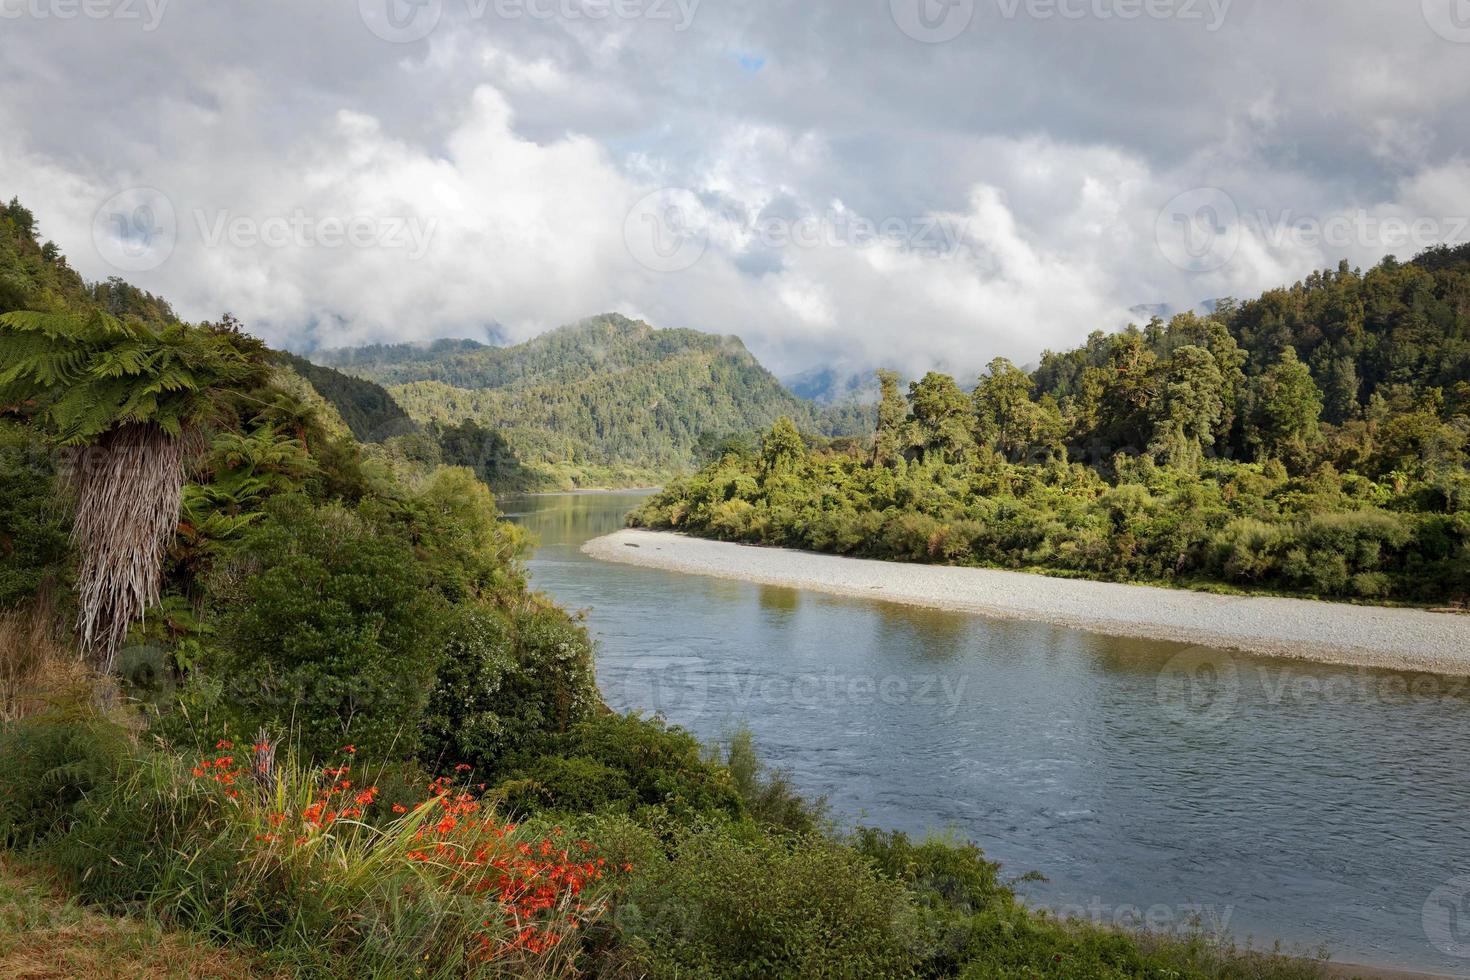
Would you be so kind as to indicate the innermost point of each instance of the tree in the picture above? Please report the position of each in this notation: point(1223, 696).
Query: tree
point(1007, 418)
point(1192, 399)
point(131, 399)
point(1129, 388)
point(893, 412)
point(1285, 407)
point(781, 448)
point(941, 414)
point(336, 633)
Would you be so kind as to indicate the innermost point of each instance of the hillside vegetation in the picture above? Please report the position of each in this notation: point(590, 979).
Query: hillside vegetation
point(605, 397)
point(334, 732)
point(1309, 441)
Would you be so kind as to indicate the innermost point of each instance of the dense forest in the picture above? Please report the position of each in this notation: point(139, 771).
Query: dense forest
point(1311, 441)
point(289, 693)
point(607, 400)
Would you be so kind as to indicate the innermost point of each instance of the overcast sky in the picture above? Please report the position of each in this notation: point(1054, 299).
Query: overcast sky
point(914, 183)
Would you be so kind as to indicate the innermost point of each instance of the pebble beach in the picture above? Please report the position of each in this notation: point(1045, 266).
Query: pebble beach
point(1328, 632)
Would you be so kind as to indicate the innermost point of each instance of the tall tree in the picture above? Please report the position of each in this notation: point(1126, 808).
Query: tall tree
point(1192, 399)
point(1285, 407)
point(893, 412)
point(941, 414)
point(1005, 416)
point(781, 448)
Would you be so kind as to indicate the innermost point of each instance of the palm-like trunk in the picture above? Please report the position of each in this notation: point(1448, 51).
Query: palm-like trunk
point(128, 486)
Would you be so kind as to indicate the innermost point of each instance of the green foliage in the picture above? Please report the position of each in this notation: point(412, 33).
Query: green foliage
point(505, 682)
point(605, 394)
point(53, 762)
point(735, 904)
point(333, 633)
point(83, 374)
point(622, 763)
point(33, 524)
point(770, 796)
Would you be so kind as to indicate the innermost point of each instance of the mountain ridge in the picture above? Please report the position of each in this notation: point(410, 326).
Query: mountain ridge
point(606, 391)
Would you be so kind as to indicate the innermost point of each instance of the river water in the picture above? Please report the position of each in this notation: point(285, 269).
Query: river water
point(1266, 799)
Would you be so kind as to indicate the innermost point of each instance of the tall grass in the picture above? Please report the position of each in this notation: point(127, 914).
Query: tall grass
point(39, 667)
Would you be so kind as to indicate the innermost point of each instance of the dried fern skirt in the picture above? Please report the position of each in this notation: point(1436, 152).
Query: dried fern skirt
point(128, 488)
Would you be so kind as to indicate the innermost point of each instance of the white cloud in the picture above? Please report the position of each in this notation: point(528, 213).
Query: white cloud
point(1025, 198)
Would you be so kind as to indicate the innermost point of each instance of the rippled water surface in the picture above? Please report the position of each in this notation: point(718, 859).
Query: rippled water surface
point(1312, 804)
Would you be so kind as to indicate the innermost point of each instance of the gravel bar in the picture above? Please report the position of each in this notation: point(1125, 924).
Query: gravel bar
point(1330, 632)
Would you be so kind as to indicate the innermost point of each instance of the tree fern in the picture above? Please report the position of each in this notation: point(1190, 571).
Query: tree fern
point(134, 395)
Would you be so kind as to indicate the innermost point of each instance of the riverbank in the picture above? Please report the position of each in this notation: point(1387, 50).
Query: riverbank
point(1364, 636)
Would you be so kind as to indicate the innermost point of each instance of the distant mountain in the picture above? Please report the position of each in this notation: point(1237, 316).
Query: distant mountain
point(378, 357)
point(605, 393)
point(828, 387)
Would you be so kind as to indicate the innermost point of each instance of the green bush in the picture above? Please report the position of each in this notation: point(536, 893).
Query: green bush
point(335, 635)
point(33, 528)
point(730, 903)
point(770, 796)
point(623, 762)
point(576, 785)
point(53, 762)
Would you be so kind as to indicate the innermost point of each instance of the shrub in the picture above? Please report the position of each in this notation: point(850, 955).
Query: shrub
point(463, 720)
point(576, 785)
point(730, 903)
point(770, 796)
point(336, 635)
point(53, 762)
point(627, 762)
point(299, 862)
point(33, 528)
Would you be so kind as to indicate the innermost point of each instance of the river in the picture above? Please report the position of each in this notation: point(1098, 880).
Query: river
point(1316, 805)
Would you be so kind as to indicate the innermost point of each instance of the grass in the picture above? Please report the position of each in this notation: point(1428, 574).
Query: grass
point(38, 664)
point(45, 934)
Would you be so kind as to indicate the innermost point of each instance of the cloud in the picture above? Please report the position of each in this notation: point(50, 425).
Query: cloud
point(860, 199)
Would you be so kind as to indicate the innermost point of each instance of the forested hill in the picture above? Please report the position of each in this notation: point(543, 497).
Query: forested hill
point(1314, 440)
point(605, 392)
point(1375, 343)
point(367, 408)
